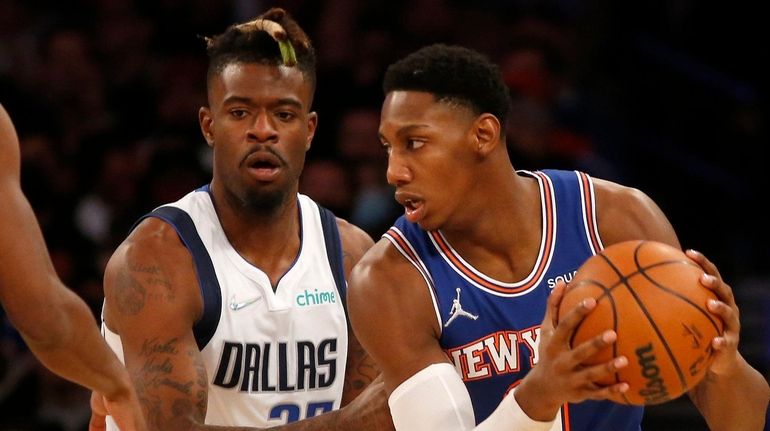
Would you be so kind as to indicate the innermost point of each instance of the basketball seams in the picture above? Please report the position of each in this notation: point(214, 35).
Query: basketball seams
point(606, 292)
point(643, 271)
point(683, 298)
point(645, 311)
point(650, 298)
point(652, 322)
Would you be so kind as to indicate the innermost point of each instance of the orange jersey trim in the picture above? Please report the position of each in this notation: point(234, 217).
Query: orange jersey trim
point(548, 207)
point(589, 212)
point(565, 425)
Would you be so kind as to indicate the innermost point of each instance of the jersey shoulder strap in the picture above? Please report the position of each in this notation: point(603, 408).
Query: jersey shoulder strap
point(334, 252)
point(204, 268)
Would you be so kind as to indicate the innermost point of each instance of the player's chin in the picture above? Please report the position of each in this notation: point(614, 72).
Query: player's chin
point(428, 224)
point(265, 197)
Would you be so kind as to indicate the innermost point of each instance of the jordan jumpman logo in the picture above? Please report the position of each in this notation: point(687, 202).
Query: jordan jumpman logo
point(457, 310)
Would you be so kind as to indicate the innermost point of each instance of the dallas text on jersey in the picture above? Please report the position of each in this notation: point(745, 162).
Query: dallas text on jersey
point(246, 366)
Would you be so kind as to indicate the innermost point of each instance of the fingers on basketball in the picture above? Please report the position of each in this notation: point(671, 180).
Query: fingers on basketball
point(649, 293)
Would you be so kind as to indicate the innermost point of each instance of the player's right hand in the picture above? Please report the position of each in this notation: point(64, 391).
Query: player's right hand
point(98, 413)
point(124, 410)
point(559, 376)
point(372, 406)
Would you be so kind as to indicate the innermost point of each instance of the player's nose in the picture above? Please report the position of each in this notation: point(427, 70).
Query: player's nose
point(398, 173)
point(263, 129)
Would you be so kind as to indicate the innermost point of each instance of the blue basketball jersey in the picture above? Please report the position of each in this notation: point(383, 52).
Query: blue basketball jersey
point(490, 328)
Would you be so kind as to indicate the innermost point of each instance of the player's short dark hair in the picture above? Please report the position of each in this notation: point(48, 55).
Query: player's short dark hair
point(248, 43)
point(454, 74)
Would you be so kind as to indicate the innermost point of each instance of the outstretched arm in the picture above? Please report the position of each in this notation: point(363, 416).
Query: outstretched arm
point(56, 324)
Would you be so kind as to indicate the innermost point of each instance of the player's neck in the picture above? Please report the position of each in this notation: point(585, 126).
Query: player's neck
point(500, 201)
point(503, 237)
point(267, 240)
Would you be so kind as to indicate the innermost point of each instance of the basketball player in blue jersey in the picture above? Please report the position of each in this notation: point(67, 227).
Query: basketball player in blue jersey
point(228, 306)
point(57, 326)
point(457, 302)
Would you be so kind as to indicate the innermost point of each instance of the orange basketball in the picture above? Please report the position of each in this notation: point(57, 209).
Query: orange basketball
point(650, 294)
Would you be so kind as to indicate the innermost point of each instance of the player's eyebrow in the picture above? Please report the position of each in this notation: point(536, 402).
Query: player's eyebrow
point(405, 130)
point(230, 100)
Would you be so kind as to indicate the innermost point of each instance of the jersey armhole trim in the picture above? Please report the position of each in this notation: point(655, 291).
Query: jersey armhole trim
point(334, 254)
point(208, 283)
point(399, 241)
point(588, 207)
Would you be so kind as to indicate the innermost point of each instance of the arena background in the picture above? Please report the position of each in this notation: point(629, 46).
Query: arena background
point(666, 96)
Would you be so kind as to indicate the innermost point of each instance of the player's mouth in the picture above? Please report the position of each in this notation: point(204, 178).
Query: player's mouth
point(413, 210)
point(414, 207)
point(264, 166)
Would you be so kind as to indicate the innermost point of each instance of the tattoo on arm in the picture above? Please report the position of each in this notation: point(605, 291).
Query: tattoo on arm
point(157, 372)
point(361, 372)
point(130, 296)
point(201, 395)
point(135, 285)
point(347, 262)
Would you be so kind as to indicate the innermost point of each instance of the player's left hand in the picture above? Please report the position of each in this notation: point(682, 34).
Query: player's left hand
point(726, 345)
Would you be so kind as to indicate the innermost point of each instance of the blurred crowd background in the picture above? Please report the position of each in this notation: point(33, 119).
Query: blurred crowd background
point(666, 95)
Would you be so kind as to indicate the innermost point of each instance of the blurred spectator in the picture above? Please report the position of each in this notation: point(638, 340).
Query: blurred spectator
point(373, 208)
point(328, 183)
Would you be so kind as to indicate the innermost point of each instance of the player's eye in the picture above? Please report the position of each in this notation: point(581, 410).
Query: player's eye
point(239, 113)
point(285, 115)
point(414, 144)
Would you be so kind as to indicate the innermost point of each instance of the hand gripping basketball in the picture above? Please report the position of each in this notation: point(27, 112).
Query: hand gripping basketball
point(650, 294)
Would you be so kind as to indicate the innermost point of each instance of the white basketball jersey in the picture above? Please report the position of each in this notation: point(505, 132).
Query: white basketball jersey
point(271, 357)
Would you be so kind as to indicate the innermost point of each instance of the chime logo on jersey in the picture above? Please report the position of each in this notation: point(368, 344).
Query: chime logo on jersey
point(247, 366)
point(308, 298)
point(495, 354)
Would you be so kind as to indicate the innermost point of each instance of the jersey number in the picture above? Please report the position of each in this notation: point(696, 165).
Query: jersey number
point(292, 412)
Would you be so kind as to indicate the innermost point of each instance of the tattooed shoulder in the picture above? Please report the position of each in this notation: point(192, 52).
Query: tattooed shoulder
point(130, 295)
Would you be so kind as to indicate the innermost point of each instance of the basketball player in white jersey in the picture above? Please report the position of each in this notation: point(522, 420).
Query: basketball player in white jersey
point(228, 306)
point(55, 323)
point(473, 224)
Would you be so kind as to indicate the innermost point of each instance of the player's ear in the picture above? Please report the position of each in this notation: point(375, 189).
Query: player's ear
point(206, 121)
point(486, 131)
point(312, 123)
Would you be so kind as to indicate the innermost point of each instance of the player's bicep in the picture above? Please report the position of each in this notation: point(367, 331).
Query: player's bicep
point(355, 243)
point(625, 213)
point(392, 315)
point(151, 304)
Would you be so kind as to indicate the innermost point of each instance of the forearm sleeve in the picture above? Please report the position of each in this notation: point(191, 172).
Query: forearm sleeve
point(436, 398)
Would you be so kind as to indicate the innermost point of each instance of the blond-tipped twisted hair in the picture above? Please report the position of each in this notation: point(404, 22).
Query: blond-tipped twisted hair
point(271, 38)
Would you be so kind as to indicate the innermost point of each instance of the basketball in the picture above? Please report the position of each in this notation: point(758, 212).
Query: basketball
point(649, 293)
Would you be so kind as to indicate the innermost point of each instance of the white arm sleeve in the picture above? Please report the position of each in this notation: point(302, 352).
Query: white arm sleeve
point(435, 398)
